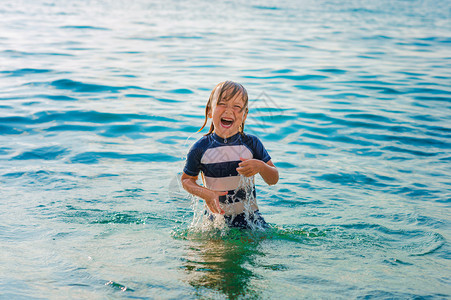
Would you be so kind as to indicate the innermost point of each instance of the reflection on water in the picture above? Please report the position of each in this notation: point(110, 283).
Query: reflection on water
point(234, 263)
point(223, 266)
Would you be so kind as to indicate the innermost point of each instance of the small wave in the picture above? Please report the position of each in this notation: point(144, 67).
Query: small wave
point(181, 91)
point(409, 140)
point(282, 71)
point(17, 120)
point(10, 130)
point(396, 262)
point(312, 145)
point(58, 97)
point(63, 128)
point(166, 100)
point(130, 130)
point(95, 157)
point(382, 89)
point(5, 150)
point(309, 87)
point(409, 151)
point(25, 71)
point(371, 117)
point(84, 27)
point(332, 71)
point(421, 193)
point(339, 96)
point(337, 138)
point(411, 219)
point(412, 242)
point(428, 91)
point(81, 87)
point(45, 153)
point(380, 294)
point(371, 121)
point(349, 140)
point(432, 98)
point(14, 175)
point(264, 7)
point(47, 179)
point(291, 77)
point(119, 218)
point(84, 116)
point(351, 179)
point(426, 118)
point(181, 36)
point(315, 116)
point(367, 152)
point(21, 54)
point(371, 80)
point(293, 201)
point(264, 121)
point(118, 286)
point(138, 96)
point(285, 165)
point(204, 66)
point(102, 217)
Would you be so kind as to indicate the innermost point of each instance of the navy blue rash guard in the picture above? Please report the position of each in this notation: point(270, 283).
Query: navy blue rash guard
point(218, 158)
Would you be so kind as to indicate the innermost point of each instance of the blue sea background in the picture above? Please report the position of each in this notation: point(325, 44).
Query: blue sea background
point(101, 100)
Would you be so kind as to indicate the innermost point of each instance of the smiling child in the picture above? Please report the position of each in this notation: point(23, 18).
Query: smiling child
point(225, 153)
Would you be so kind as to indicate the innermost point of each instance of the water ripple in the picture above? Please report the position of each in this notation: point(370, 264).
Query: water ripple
point(45, 153)
point(85, 116)
point(83, 27)
point(353, 179)
point(290, 77)
point(95, 157)
point(80, 87)
point(24, 72)
point(413, 242)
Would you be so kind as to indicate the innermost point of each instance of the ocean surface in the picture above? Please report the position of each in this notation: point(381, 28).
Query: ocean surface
point(101, 100)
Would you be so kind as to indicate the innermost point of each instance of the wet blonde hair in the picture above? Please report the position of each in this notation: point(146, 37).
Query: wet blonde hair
point(225, 91)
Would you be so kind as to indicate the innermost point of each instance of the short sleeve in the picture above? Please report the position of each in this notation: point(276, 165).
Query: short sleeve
point(259, 150)
point(192, 165)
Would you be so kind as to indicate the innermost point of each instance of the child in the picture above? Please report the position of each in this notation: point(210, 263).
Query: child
point(223, 154)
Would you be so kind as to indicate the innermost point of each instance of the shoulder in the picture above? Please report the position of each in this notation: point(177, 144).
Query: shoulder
point(251, 136)
point(256, 146)
point(251, 139)
point(202, 143)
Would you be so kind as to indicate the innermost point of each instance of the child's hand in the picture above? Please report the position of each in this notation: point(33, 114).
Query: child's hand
point(249, 167)
point(211, 197)
point(213, 202)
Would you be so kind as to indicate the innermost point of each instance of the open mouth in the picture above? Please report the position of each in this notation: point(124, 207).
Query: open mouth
point(225, 122)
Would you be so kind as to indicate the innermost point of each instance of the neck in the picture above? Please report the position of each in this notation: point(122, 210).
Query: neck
point(226, 139)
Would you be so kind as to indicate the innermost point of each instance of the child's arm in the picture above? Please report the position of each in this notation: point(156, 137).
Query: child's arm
point(250, 167)
point(211, 197)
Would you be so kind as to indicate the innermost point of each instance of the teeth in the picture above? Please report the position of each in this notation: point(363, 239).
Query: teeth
point(225, 122)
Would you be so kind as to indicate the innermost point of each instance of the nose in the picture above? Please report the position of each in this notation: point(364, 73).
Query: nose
point(228, 108)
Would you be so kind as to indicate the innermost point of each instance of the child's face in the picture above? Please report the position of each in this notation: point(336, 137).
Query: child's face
point(227, 116)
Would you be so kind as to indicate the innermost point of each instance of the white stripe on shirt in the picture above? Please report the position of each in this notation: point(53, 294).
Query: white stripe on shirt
point(222, 183)
point(225, 154)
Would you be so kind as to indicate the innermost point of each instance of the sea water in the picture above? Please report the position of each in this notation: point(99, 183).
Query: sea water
point(101, 100)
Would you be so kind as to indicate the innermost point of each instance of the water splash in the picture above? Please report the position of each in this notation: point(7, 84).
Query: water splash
point(118, 286)
point(209, 225)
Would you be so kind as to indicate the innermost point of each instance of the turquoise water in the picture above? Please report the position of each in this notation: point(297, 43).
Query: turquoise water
point(99, 101)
